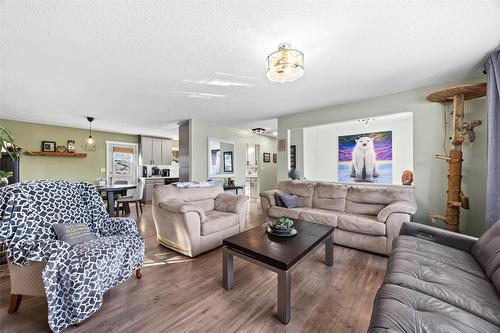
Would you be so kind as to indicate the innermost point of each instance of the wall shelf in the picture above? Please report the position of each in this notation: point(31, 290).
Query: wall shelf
point(55, 153)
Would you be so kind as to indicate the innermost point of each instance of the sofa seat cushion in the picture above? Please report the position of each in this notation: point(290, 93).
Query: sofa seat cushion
point(398, 309)
point(322, 216)
point(216, 221)
point(447, 283)
point(443, 254)
point(364, 224)
point(292, 213)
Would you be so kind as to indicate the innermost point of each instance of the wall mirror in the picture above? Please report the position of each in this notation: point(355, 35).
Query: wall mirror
point(220, 158)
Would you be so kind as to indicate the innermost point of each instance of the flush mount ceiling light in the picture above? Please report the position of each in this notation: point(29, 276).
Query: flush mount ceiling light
point(285, 65)
point(90, 145)
point(258, 130)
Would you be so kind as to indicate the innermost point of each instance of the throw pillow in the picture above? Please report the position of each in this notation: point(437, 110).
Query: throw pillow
point(289, 200)
point(73, 233)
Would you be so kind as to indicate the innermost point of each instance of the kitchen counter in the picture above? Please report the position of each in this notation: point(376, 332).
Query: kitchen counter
point(151, 182)
point(158, 177)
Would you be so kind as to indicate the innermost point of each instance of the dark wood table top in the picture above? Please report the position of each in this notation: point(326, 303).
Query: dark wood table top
point(279, 252)
point(116, 187)
point(233, 187)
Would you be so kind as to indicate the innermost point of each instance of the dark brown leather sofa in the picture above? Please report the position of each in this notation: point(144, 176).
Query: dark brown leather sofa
point(439, 281)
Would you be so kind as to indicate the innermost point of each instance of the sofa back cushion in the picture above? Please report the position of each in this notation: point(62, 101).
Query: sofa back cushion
point(487, 250)
point(331, 196)
point(371, 199)
point(30, 209)
point(204, 197)
point(302, 189)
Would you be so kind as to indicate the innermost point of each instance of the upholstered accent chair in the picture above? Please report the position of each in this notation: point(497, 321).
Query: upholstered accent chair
point(192, 221)
point(73, 278)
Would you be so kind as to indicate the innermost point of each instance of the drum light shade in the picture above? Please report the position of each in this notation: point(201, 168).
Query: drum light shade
point(285, 65)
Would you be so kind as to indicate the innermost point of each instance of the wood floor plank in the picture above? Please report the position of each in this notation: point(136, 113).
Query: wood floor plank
point(181, 294)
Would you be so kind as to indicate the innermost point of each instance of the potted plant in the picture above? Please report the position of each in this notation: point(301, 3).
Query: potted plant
point(8, 145)
point(4, 175)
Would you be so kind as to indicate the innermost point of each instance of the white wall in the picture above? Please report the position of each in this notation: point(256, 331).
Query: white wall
point(200, 131)
point(430, 173)
point(321, 146)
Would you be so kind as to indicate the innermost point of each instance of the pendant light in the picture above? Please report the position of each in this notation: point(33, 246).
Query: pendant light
point(285, 65)
point(90, 144)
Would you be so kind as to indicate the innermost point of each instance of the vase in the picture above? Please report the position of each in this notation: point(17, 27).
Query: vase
point(4, 181)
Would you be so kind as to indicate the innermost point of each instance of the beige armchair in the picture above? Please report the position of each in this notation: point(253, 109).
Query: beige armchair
point(195, 220)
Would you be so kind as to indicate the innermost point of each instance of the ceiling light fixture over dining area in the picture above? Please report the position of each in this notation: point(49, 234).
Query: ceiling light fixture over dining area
point(285, 65)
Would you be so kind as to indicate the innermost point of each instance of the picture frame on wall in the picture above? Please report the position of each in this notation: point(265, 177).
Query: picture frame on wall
point(71, 146)
point(267, 157)
point(275, 158)
point(293, 161)
point(48, 146)
point(228, 161)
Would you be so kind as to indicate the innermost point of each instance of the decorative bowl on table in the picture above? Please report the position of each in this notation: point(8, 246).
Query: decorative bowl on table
point(282, 226)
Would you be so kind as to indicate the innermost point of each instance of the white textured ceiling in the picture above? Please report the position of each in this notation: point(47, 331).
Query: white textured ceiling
point(140, 66)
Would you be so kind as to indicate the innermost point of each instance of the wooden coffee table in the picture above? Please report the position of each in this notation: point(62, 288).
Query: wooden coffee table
point(278, 254)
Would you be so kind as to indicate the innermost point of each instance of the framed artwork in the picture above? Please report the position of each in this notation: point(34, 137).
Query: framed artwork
point(282, 145)
point(175, 155)
point(267, 158)
point(275, 158)
point(293, 160)
point(228, 161)
point(71, 146)
point(61, 149)
point(123, 163)
point(49, 146)
point(366, 157)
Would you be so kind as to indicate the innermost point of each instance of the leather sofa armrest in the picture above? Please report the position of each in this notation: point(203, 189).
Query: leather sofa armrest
point(451, 239)
point(230, 203)
point(270, 197)
point(177, 206)
point(407, 207)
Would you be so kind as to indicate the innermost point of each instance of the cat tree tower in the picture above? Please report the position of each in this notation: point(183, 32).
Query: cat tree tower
point(455, 197)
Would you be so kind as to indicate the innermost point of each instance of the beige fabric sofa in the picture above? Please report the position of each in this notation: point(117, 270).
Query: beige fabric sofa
point(366, 216)
point(195, 220)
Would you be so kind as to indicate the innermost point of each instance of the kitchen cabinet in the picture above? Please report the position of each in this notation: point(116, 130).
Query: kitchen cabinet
point(146, 150)
point(149, 187)
point(156, 151)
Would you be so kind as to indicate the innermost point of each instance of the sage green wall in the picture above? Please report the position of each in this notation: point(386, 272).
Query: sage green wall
point(429, 173)
point(30, 136)
point(200, 131)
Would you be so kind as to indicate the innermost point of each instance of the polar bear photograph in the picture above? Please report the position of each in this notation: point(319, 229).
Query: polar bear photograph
point(366, 157)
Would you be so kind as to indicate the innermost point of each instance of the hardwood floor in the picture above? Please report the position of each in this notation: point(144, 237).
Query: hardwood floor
point(181, 294)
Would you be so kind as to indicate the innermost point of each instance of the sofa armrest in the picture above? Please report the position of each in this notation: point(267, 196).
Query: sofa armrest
point(270, 196)
point(177, 206)
point(407, 207)
point(230, 203)
point(440, 236)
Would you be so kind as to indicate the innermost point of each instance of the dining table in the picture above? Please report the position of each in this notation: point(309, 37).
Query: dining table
point(111, 190)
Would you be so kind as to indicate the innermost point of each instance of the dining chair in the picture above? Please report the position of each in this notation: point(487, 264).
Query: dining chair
point(136, 198)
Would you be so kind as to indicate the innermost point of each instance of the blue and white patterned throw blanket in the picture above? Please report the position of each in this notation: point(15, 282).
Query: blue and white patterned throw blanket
point(75, 277)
